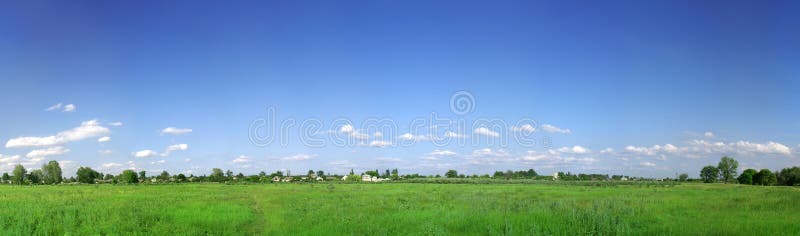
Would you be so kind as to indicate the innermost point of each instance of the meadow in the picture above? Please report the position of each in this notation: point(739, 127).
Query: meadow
point(399, 209)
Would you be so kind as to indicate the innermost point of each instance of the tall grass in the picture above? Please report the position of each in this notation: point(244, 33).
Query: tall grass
point(399, 209)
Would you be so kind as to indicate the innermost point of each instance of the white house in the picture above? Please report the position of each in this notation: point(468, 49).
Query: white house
point(276, 179)
point(344, 178)
point(366, 178)
point(320, 179)
point(555, 175)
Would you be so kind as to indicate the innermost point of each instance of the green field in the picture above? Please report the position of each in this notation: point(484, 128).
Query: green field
point(398, 209)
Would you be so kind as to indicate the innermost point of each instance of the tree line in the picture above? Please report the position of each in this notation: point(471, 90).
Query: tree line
point(51, 173)
point(726, 172)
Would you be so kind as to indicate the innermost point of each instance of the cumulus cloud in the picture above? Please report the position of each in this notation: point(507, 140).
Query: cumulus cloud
point(9, 160)
point(352, 132)
point(105, 152)
point(647, 164)
point(607, 150)
point(553, 129)
point(300, 157)
point(486, 132)
point(437, 154)
point(87, 129)
point(379, 143)
point(104, 139)
point(573, 150)
point(111, 165)
point(242, 159)
point(411, 137)
point(167, 151)
point(451, 134)
point(523, 128)
point(175, 131)
point(145, 153)
point(51, 151)
point(54, 107)
point(708, 135)
point(115, 123)
point(703, 148)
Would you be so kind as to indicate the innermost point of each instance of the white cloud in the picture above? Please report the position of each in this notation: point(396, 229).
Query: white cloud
point(54, 107)
point(523, 128)
point(438, 152)
point(51, 151)
point(242, 159)
point(104, 139)
point(167, 151)
point(487, 132)
point(175, 131)
point(489, 152)
point(105, 152)
point(703, 148)
point(451, 134)
point(9, 160)
point(708, 135)
point(300, 157)
point(176, 147)
point(69, 108)
point(145, 153)
point(553, 129)
point(115, 123)
point(352, 132)
point(159, 162)
point(607, 150)
point(377, 134)
point(411, 137)
point(111, 165)
point(59, 106)
point(573, 150)
point(379, 143)
point(87, 129)
point(647, 164)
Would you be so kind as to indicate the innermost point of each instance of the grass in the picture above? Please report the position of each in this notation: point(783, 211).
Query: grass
point(399, 209)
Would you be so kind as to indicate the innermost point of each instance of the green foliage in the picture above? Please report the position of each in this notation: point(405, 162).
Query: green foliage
point(19, 174)
point(128, 177)
point(747, 176)
point(36, 176)
point(451, 174)
point(683, 177)
point(87, 175)
point(789, 176)
point(764, 177)
point(217, 175)
point(52, 173)
point(727, 169)
point(709, 174)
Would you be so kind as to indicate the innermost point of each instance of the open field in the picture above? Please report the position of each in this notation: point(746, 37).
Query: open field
point(399, 208)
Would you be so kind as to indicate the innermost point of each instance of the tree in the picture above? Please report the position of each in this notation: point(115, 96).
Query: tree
point(87, 175)
point(321, 173)
point(727, 169)
point(764, 177)
point(216, 175)
point(164, 176)
point(709, 174)
point(683, 177)
point(6, 177)
point(747, 176)
point(128, 177)
point(52, 173)
point(497, 174)
point(19, 174)
point(142, 175)
point(182, 178)
point(789, 176)
point(36, 176)
point(371, 173)
point(229, 174)
point(451, 174)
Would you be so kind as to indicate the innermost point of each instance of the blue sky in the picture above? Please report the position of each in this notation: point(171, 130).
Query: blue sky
point(645, 88)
